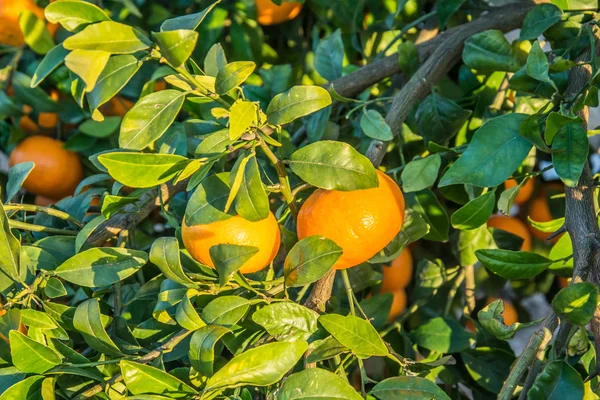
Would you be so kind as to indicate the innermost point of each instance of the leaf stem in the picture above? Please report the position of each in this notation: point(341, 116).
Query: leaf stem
point(39, 228)
point(46, 210)
point(283, 178)
point(349, 292)
point(191, 80)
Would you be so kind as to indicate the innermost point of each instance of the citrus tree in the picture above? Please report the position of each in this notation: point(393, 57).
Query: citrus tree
point(283, 200)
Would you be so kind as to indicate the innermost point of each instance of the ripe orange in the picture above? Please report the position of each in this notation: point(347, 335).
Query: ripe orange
point(398, 304)
point(46, 121)
point(539, 209)
point(270, 13)
point(512, 225)
point(398, 275)
point(525, 192)
point(510, 312)
point(361, 222)
point(43, 201)
point(10, 31)
point(264, 235)
point(57, 171)
point(116, 107)
point(563, 282)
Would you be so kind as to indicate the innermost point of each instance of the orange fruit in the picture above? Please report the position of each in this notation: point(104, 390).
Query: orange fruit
point(398, 304)
point(361, 222)
point(270, 13)
point(398, 274)
point(510, 312)
point(116, 107)
point(263, 234)
point(43, 201)
point(525, 192)
point(514, 226)
point(10, 31)
point(46, 121)
point(57, 171)
point(539, 208)
point(160, 85)
point(563, 282)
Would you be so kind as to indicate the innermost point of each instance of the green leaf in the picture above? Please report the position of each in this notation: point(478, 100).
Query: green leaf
point(55, 288)
point(555, 122)
point(420, 174)
point(141, 170)
point(89, 322)
point(571, 145)
point(26, 389)
point(35, 97)
point(439, 119)
point(176, 45)
point(190, 21)
point(374, 126)
point(442, 335)
point(202, 348)
point(233, 75)
point(434, 214)
point(287, 321)
point(446, 9)
point(37, 319)
point(531, 130)
point(570, 5)
point(207, 203)
point(475, 213)
point(88, 65)
point(118, 71)
point(215, 60)
point(31, 356)
point(414, 228)
point(334, 166)
point(109, 36)
point(186, 315)
point(316, 383)
point(74, 15)
point(576, 302)
point(10, 248)
point(495, 152)
point(16, 176)
point(261, 366)
point(327, 349)
point(225, 310)
point(101, 129)
point(297, 102)
point(489, 367)
point(537, 65)
point(409, 388)
point(490, 51)
point(329, 56)
point(35, 33)
point(243, 115)
point(164, 253)
point(513, 264)
point(355, 333)
point(556, 382)
point(150, 118)
point(214, 144)
point(229, 258)
point(538, 20)
point(309, 260)
point(490, 317)
point(251, 200)
point(101, 266)
point(141, 379)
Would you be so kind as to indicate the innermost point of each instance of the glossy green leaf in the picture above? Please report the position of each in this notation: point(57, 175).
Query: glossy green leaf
point(355, 333)
point(190, 21)
point(26, 389)
point(225, 311)
point(186, 315)
point(31, 356)
point(555, 122)
point(489, 367)
point(55, 288)
point(572, 5)
point(531, 129)
point(109, 36)
point(141, 170)
point(35, 97)
point(513, 264)
point(37, 319)
point(439, 119)
point(242, 116)
point(91, 323)
point(101, 266)
point(495, 152)
point(443, 335)
point(309, 260)
point(229, 258)
point(261, 366)
point(74, 15)
point(207, 203)
point(329, 56)
point(420, 174)
point(491, 318)
point(176, 45)
point(215, 60)
point(100, 129)
point(327, 349)
point(409, 388)
point(10, 248)
point(475, 213)
point(316, 383)
point(434, 214)
point(571, 145)
point(88, 65)
point(446, 9)
point(537, 65)
point(233, 75)
point(490, 51)
point(16, 176)
point(287, 321)
point(141, 379)
point(576, 302)
point(556, 382)
point(164, 253)
point(333, 165)
point(35, 33)
point(414, 228)
point(251, 200)
point(538, 20)
point(297, 102)
point(150, 118)
point(374, 126)
point(202, 348)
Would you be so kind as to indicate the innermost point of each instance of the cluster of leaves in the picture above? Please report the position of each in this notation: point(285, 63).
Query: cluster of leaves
point(140, 317)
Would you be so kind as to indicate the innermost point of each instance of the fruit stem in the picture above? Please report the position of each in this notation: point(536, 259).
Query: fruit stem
point(46, 210)
point(349, 292)
point(283, 178)
point(452, 292)
point(192, 81)
point(39, 228)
